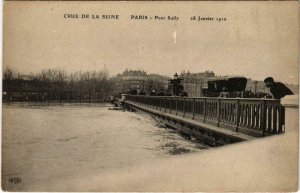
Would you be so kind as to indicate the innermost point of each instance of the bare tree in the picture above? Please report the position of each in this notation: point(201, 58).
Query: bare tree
point(8, 78)
point(59, 85)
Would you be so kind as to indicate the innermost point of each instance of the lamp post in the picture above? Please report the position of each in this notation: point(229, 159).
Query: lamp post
point(255, 86)
point(175, 76)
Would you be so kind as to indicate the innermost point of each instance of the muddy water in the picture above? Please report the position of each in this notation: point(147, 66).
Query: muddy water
point(42, 142)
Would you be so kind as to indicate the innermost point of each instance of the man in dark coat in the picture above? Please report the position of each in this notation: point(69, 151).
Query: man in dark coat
point(278, 89)
point(142, 92)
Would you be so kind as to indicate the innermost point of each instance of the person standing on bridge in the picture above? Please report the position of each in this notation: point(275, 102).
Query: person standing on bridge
point(224, 93)
point(142, 92)
point(161, 93)
point(168, 93)
point(153, 93)
point(278, 89)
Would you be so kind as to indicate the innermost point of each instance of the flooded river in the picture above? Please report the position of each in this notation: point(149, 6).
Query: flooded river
point(45, 142)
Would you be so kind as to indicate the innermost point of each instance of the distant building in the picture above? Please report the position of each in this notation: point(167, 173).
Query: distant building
point(138, 80)
point(162, 81)
point(193, 82)
point(130, 79)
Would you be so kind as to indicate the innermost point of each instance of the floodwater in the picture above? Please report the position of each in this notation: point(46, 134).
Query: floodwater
point(43, 142)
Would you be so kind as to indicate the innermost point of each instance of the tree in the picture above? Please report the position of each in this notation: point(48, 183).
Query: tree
point(8, 78)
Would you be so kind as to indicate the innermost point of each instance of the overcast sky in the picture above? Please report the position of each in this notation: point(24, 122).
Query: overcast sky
point(259, 39)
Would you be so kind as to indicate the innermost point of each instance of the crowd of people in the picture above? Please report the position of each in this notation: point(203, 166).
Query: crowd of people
point(244, 94)
point(154, 93)
point(251, 94)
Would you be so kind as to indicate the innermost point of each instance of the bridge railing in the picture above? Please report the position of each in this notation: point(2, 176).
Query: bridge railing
point(258, 117)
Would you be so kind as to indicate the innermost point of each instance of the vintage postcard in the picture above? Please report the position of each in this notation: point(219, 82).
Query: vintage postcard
point(148, 96)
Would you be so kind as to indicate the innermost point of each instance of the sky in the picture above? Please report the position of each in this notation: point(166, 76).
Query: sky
point(258, 39)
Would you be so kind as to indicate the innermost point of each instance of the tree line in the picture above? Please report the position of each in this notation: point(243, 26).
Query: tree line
point(57, 85)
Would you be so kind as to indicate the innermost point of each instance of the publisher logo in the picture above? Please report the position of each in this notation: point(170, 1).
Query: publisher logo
point(14, 180)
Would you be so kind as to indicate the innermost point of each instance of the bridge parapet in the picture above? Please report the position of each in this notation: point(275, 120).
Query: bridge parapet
point(257, 117)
